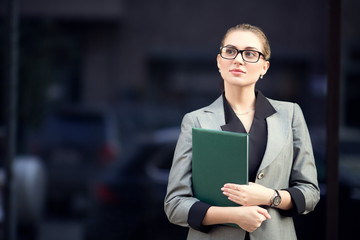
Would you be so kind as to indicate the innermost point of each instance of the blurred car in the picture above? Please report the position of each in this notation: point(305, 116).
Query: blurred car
point(74, 144)
point(129, 195)
point(29, 181)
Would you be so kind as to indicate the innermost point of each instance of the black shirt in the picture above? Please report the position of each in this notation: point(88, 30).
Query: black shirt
point(257, 145)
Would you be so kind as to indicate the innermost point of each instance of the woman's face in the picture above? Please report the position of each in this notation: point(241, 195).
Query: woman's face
point(237, 72)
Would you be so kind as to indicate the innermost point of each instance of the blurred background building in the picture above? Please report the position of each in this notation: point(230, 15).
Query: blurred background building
point(103, 86)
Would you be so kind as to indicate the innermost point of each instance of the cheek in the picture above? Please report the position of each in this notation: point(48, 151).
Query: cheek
point(255, 69)
point(223, 64)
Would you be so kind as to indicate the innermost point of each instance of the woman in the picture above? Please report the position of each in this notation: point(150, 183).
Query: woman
point(282, 172)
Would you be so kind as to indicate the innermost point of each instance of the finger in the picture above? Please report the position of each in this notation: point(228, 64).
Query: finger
point(264, 212)
point(231, 194)
point(262, 217)
point(232, 186)
point(234, 198)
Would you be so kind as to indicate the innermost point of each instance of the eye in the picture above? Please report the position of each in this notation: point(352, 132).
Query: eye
point(230, 51)
point(251, 54)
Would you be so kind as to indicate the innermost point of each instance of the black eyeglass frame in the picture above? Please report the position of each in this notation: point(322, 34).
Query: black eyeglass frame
point(241, 52)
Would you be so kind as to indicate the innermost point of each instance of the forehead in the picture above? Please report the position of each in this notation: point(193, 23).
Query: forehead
point(243, 39)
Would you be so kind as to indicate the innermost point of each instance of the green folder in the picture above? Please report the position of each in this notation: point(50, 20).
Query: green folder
point(219, 157)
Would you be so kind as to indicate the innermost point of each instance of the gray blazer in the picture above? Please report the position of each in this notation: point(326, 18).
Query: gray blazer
point(288, 161)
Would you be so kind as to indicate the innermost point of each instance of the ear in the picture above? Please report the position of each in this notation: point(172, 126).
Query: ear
point(265, 67)
point(217, 59)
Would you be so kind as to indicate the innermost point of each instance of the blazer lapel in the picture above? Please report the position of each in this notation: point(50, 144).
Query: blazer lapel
point(213, 116)
point(277, 134)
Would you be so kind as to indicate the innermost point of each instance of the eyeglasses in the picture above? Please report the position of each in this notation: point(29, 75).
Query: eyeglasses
point(250, 56)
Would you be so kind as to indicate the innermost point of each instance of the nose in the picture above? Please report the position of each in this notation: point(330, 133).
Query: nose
point(239, 59)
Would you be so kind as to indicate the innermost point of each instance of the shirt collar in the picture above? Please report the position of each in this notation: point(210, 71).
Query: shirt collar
point(263, 108)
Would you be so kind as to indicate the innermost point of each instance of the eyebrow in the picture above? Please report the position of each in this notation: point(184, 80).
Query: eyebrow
point(246, 48)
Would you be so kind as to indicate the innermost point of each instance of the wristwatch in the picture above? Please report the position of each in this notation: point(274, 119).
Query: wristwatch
point(276, 199)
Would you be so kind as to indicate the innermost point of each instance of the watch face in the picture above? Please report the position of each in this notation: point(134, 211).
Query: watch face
point(277, 200)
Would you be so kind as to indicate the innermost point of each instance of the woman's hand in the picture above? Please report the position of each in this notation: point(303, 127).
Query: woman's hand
point(248, 195)
point(250, 218)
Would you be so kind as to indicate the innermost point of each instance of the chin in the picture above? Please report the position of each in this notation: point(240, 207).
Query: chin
point(239, 82)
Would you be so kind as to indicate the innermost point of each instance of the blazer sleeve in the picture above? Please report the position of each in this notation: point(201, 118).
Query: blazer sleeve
point(179, 197)
point(304, 174)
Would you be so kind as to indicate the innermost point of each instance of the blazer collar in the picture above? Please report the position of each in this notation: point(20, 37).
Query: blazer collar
point(278, 131)
point(263, 109)
point(213, 115)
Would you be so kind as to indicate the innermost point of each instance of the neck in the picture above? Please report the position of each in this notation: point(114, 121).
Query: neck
point(241, 99)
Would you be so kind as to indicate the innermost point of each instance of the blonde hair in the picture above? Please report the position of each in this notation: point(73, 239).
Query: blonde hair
point(257, 31)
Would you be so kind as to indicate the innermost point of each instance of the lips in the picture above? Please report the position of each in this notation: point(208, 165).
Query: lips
point(237, 71)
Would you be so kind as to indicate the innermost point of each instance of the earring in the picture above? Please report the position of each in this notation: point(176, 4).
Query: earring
point(261, 76)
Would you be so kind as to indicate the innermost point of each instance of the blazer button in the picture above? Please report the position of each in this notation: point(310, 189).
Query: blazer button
point(261, 175)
